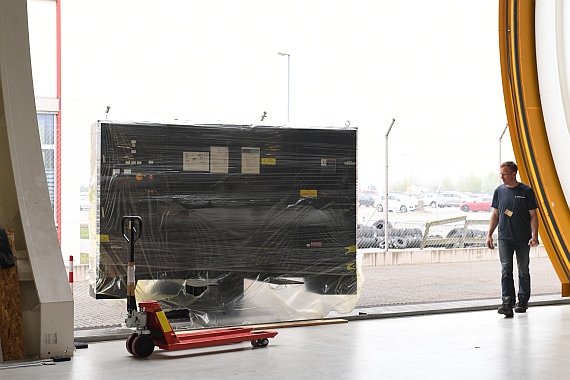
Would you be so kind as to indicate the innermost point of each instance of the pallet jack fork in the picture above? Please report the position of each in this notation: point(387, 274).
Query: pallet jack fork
point(157, 331)
point(152, 326)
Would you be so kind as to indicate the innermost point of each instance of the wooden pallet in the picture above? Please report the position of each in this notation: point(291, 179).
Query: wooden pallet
point(12, 341)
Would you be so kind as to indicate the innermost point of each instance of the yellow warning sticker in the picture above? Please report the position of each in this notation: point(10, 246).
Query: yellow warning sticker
point(103, 238)
point(350, 249)
point(351, 266)
point(268, 161)
point(163, 321)
point(308, 193)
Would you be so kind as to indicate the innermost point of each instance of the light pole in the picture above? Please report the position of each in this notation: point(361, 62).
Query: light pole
point(386, 234)
point(288, 79)
point(500, 146)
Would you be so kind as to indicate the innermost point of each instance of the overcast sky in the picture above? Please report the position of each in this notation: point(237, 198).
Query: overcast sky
point(431, 65)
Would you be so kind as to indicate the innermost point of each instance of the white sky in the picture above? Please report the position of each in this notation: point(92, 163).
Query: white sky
point(432, 65)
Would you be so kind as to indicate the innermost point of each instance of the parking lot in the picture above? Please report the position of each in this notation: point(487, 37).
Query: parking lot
point(368, 215)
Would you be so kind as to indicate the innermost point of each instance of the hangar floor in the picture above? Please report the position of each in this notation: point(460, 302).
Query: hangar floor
point(460, 345)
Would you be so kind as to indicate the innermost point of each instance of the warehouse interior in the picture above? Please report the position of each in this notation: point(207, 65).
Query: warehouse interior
point(473, 343)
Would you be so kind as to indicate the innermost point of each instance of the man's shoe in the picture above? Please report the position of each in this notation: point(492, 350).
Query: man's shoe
point(506, 308)
point(522, 305)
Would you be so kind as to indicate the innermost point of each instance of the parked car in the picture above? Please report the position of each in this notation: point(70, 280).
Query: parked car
point(450, 198)
point(379, 203)
point(401, 203)
point(430, 199)
point(366, 200)
point(480, 204)
point(372, 190)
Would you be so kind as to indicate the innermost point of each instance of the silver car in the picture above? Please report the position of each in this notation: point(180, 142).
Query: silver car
point(398, 202)
point(450, 199)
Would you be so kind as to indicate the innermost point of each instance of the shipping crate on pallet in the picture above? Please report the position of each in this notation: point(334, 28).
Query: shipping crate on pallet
point(12, 341)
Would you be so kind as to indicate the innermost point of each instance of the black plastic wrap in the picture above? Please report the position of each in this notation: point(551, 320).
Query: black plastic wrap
point(241, 223)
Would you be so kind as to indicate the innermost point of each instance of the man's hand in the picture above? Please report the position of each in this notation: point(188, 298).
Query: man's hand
point(493, 223)
point(489, 242)
point(533, 242)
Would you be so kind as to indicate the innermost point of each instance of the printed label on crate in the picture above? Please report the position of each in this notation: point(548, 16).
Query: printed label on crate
point(250, 160)
point(196, 161)
point(328, 164)
point(219, 160)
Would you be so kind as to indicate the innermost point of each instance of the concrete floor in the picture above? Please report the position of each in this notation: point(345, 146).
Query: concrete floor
point(460, 345)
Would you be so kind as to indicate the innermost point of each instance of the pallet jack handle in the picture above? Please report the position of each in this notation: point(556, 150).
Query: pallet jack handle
point(131, 227)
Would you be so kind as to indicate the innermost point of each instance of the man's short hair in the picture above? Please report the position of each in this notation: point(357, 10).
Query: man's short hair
point(511, 165)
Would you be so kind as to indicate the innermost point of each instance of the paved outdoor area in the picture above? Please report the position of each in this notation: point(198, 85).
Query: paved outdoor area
point(383, 286)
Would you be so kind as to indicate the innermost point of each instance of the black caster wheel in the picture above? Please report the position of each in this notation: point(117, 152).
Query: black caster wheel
point(129, 343)
point(260, 342)
point(142, 346)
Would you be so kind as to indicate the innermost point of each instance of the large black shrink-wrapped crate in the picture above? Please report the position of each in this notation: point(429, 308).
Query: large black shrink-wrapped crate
point(250, 222)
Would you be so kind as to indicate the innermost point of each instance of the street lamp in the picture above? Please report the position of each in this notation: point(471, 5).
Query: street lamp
point(288, 79)
point(500, 145)
point(386, 235)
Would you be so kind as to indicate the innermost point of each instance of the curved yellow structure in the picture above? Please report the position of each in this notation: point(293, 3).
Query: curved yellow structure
point(529, 133)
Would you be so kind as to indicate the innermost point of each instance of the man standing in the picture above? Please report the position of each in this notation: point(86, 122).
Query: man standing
point(514, 212)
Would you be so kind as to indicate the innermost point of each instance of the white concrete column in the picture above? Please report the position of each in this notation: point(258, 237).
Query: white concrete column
point(47, 302)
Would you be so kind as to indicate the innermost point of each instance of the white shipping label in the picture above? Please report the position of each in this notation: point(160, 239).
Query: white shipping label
point(219, 161)
point(196, 161)
point(250, 160)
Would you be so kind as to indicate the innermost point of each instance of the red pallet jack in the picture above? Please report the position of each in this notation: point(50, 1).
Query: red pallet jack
point(151, 325)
